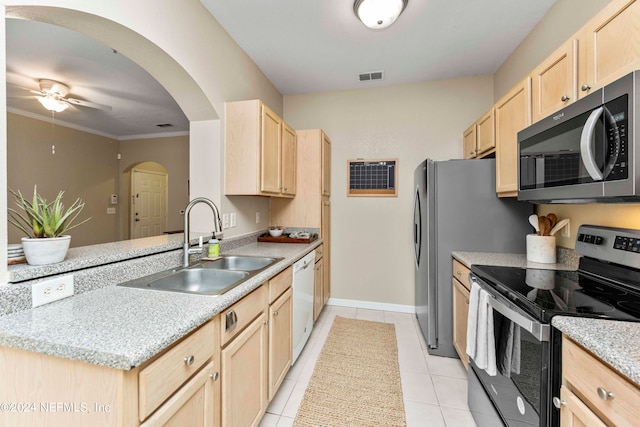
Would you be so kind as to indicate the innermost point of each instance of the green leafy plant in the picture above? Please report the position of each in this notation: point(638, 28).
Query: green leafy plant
point(42, 219)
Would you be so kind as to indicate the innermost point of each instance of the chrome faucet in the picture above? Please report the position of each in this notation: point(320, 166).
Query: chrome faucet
point(217, 227)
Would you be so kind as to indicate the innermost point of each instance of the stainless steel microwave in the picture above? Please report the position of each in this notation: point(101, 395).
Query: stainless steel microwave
point(585, 152)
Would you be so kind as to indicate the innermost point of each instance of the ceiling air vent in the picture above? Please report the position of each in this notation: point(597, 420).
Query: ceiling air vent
point(165, 125)
point(373, 75)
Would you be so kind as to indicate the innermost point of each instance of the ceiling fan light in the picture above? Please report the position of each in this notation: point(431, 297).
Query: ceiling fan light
point(378, 14)
point(52, 104)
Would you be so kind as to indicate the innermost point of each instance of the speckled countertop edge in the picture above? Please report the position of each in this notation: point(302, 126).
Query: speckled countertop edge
point(506, 260)
point(121, 327)
point(615, 342)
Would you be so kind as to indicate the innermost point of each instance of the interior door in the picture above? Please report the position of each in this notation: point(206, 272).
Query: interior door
point(149, 203)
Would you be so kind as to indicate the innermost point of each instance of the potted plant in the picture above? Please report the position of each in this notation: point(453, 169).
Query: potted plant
point(45, 224)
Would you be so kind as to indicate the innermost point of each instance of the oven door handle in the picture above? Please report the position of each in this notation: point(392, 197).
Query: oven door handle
point(537, 329)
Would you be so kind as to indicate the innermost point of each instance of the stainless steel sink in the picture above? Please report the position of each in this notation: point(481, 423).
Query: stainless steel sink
point(205, 278)
point(243, 263)
point(199, 281)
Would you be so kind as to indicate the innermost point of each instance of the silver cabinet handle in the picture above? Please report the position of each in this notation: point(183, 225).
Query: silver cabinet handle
point(604, 394)
point(565, 98)
point(214, 376)
point(585, 87)
point(189, 360)
point(558, 403)
point(458, 273)
point(231, 319)
point(275, 313)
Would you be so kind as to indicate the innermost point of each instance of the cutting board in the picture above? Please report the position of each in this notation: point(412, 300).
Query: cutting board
point(286, 239)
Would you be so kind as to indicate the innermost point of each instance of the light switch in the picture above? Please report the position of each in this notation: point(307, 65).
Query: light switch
point(111, 211)
point(232, 218)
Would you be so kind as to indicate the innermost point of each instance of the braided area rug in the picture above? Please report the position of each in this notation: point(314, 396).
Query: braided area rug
point(356, 380)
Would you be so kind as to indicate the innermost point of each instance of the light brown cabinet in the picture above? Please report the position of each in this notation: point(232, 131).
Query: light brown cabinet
point(260, 151)
point(461, 290)
point(469, 142)
point(593, 393)
point(554, 81)
point(180, 386)
point(512, 114)
point(609, 45)
point(318, 289)
point(280, 340)
point(479, 139)
point(311, 208)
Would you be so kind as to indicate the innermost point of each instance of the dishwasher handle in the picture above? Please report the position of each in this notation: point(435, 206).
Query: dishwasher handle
point(538, 330)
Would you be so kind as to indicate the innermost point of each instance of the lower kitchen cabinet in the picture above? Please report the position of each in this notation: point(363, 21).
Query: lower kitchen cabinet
point(280, 340)
point(594, 394)
point(244, 376)
point(178, 387)
point(318, 286)
point(461, 290)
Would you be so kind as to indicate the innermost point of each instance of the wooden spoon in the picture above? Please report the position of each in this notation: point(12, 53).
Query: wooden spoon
point(553, 218)
point(543, 223)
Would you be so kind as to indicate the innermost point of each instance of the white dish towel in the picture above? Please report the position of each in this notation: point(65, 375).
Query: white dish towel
point(481, 346)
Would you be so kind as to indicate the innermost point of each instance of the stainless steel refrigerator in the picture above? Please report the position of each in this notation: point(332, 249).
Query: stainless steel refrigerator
point(456, 209)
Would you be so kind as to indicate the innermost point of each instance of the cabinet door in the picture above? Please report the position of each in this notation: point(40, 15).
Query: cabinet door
point(486, 135)
point(270, 146)
point(513, 113)
point(460, 315)
point(469, 142)
point(244, 376)
point(326, 236)
point(192, 405)
point(326, 165)
point(611, 45)
point(574, 413)
point(280, 340)
point(554, 81)
point(289, 155)
point(318, 288)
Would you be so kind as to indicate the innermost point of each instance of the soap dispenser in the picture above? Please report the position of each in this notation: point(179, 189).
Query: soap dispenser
point(213, 251)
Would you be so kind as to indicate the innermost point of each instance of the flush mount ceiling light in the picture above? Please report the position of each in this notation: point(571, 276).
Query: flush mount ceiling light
point(53, 103)
point(378, 14)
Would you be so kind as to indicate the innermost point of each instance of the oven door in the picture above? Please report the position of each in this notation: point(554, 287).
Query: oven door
point(519, 394)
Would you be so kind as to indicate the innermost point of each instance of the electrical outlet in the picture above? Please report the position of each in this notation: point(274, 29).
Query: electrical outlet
point(566, 230)
point(51, 290)
point(111, 211)
point(225, 221)
point(233, 219)
point(257, 217)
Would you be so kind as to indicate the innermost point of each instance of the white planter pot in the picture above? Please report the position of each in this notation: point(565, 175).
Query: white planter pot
point(46, 250)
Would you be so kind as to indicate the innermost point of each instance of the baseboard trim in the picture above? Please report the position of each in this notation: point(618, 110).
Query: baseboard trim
point(370, 305)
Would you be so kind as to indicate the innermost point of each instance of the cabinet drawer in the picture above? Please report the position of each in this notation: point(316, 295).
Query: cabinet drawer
point(165, 375)
point(461, 273)
point(235, 318)
point(319, 253)
point(588, 377)
point(280, 283)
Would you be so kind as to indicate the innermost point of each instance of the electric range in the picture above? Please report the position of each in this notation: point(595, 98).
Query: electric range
point(606, 285)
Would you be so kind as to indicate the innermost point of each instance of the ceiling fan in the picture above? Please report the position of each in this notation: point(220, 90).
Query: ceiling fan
point(53, 96)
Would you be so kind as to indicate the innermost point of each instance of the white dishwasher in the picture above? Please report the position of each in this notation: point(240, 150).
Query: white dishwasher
point(303, 284)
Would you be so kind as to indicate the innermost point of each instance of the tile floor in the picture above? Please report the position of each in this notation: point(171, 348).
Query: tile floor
point(434, 388)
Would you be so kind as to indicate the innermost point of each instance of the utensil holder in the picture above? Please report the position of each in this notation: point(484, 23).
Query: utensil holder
point(541, 249)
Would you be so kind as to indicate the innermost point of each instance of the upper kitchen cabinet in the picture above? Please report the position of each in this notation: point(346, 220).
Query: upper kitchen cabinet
point(609, 45)
point(479, 139)
point(260, 151)
point(512, 114)
point(554, 81)
point(326, 164)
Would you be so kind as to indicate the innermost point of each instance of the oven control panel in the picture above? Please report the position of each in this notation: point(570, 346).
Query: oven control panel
point(617, 245)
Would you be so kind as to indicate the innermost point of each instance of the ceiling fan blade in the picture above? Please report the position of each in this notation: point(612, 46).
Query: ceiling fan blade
point(86, 104)
point(37, 92)
point(23, 97)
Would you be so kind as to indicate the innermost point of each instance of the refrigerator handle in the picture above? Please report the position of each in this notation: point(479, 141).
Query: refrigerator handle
point(417, 226)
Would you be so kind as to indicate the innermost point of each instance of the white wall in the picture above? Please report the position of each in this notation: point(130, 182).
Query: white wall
point(371, 238)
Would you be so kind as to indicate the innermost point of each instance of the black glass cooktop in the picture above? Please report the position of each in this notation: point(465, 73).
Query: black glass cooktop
point(546, 293)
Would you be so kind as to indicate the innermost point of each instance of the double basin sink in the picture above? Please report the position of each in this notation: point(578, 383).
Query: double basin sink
point(205, 277)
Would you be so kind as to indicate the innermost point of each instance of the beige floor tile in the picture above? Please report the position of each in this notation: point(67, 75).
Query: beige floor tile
point(451, 392)
point(423, 415)
point(291, 408)
point(269, 420)
point(285, 422)
point(418, 387)
point(282, 396)
point(365, 314)
point(446, 366)
point(412, 359)
point(457, 417)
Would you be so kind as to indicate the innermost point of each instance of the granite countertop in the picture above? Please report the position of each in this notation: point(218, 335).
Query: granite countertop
point(615, 342)
point(506, 260)
point(122, 327)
